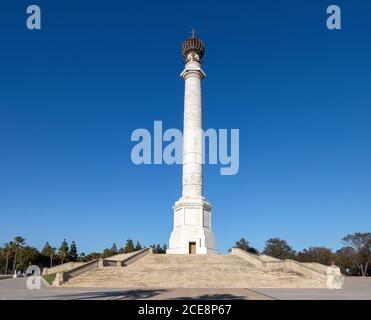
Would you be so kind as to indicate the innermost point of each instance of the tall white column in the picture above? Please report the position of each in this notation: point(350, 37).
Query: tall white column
point(192, 213)
point(192, 132)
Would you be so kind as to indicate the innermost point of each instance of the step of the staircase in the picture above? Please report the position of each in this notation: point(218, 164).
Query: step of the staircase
point(191, 271)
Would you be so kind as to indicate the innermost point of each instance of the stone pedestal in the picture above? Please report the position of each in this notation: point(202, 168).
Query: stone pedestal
point(192, 224)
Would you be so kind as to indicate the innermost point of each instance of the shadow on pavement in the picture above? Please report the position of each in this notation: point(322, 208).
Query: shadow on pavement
point(109, 295)
point(212, 297)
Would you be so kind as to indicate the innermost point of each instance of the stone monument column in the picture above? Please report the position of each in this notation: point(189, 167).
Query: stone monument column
point(192, 213)
point(192, 132)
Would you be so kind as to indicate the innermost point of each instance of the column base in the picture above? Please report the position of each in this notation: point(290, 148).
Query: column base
point(192, 232)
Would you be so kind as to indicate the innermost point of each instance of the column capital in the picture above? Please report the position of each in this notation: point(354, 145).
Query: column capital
point(193, 69)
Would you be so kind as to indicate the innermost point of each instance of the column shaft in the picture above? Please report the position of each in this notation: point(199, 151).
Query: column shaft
point(192, 132)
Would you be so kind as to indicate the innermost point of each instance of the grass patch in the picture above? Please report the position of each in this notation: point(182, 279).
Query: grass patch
point(49, 278)
point(5, 277)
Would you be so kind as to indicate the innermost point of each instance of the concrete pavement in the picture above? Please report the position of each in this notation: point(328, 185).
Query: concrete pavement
point(355, 288)
point(15, 289)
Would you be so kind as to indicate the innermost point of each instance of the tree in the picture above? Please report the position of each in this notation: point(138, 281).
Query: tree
point(27, 256)
point(121, 250)
point(243, 244)
point(129, 247)
point(157, 249)
point(90, 257)
point(63, 251)
point(19, 242)
point(359, 251)
point(316, 254)
point(344, 259)
point(109, 252)
point(7, 251)
point(138, 246)
point(49, 252)
point(279, 249)
point(114, 249)
point(72, 254)
point(253, 250)
point(81, 257)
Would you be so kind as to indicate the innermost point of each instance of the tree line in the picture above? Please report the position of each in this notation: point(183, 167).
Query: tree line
point(354, 258)
point(16, 255)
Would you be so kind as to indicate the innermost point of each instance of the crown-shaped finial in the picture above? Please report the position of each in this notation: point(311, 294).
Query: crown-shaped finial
point(193, 48)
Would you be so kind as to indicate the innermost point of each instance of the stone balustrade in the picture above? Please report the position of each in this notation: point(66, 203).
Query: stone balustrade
point(251, 258)
point(65, 275)
point(62, 267)
point(315, 271)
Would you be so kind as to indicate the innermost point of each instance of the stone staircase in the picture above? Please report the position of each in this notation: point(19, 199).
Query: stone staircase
point(193, 271)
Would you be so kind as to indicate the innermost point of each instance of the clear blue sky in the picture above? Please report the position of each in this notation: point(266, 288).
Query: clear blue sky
point(72, 93)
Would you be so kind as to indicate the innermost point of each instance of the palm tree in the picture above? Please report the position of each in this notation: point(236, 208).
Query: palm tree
point(19, 242)
point(63, 251)
point(8, 250)
point(51, 253)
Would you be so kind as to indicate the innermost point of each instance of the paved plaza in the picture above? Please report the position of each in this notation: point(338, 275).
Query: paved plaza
point(15, 289)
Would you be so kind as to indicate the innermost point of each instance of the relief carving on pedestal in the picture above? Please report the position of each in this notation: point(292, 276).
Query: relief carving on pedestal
point(192, 184)
point(192, 179)
point(192, 189)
